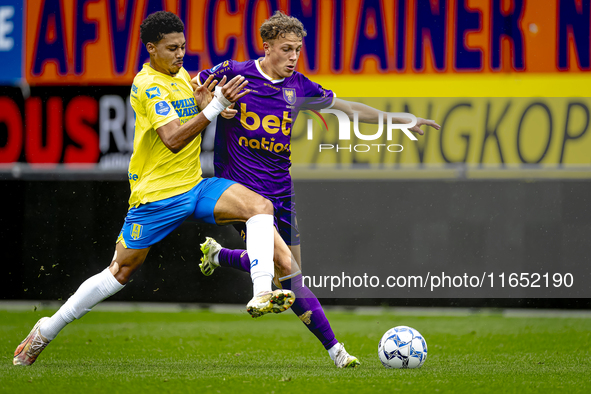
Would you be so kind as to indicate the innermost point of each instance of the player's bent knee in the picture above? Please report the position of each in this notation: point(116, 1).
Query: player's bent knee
point(265, 206)
point(260, 206)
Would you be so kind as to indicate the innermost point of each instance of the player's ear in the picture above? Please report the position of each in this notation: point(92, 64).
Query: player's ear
point(151, 48)
point(266, 47)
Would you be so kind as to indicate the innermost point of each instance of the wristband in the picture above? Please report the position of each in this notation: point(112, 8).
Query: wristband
point(213, 109)
point(220, 96)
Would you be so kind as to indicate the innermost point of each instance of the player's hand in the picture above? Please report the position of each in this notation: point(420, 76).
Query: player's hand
point(229, 112)
point(203, 94)
point(235, 89)
point(422, 122)
point(195, 82)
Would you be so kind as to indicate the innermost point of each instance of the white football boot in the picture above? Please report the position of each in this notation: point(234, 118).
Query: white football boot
point(276, 301)
point(343, 359)
point(209, 248)
point(29, 349)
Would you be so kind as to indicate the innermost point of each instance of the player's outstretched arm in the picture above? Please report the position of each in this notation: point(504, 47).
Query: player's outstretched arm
point(176, 136)
point(369, 114)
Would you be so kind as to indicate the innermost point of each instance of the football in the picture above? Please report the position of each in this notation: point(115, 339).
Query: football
point(402, 347)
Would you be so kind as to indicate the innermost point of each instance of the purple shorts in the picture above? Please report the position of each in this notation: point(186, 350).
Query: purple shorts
point(285, 221)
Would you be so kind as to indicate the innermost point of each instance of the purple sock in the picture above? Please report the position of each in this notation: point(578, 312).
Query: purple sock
point(306, 306)
point(234, 259)
point(309, 310)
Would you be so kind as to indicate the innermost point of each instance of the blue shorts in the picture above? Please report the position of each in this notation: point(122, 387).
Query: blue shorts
point(150, 223)
point(285, 221)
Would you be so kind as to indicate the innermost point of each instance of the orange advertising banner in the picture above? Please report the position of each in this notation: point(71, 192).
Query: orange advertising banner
point(97, 41)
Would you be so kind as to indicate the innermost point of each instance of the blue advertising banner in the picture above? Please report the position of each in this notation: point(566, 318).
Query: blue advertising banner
point(11, 41)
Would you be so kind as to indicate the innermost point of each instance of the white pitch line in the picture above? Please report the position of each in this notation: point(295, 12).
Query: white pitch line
point(23, 305)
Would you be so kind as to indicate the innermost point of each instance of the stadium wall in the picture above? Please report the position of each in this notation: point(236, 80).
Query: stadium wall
point(57, 233)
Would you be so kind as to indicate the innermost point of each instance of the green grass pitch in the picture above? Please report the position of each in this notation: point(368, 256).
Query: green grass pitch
point(206, 352)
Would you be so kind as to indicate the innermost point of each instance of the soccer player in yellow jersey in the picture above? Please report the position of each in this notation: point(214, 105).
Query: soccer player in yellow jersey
point(166, 183)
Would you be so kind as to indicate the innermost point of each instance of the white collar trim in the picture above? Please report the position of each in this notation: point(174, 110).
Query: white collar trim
point(265, 75)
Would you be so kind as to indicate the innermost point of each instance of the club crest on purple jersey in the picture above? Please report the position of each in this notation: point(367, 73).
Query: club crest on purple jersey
point(289, 94)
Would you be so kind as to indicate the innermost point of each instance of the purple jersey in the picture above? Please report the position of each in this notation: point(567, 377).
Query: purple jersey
point(254, 147)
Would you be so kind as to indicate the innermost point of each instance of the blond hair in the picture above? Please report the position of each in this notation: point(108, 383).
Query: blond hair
point(280, 25)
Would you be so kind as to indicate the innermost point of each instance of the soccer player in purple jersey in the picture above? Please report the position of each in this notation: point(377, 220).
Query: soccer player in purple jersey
point(252, 147)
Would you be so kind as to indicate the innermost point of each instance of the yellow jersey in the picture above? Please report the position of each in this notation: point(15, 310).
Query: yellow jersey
point(155, 173)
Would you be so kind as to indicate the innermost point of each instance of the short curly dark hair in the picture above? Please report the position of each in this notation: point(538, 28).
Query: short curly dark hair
point(279, 25)
point(158, 24)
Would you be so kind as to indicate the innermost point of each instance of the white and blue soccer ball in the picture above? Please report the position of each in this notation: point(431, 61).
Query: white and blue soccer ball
point(402, 347)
